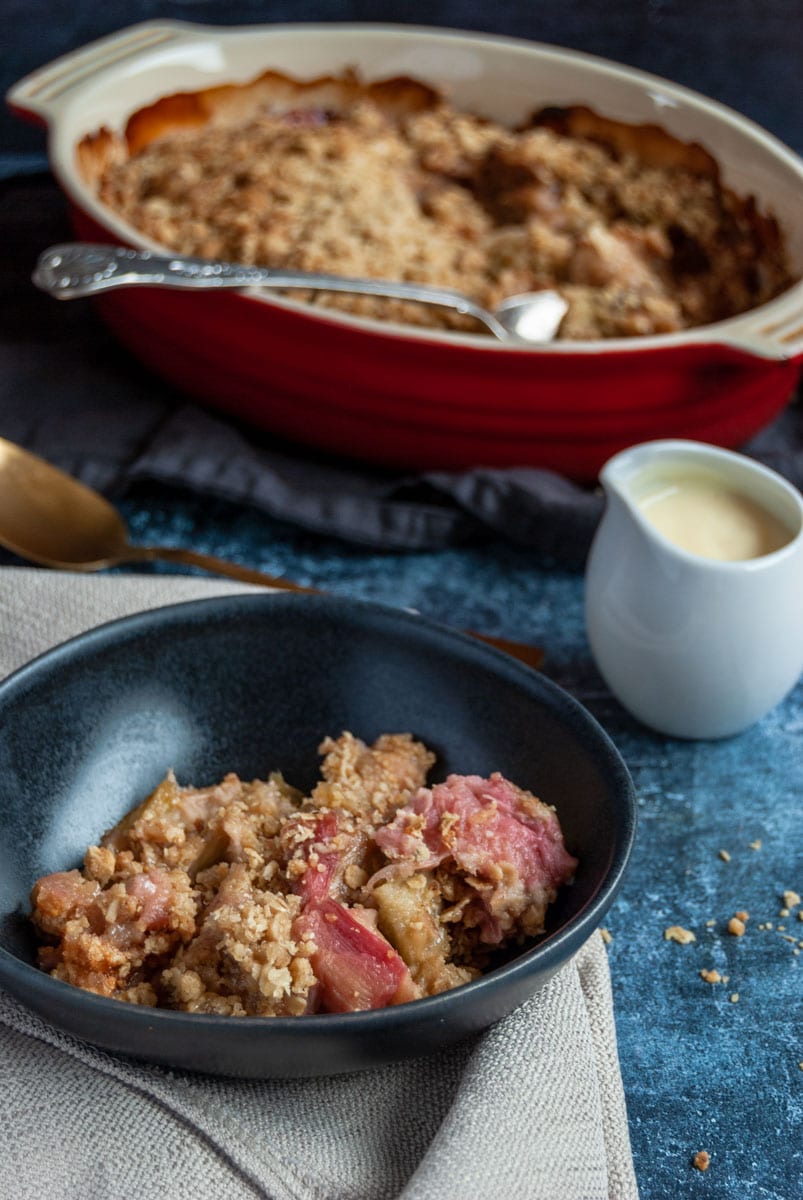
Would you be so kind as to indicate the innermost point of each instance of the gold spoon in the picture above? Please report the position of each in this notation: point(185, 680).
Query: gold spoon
point(50, 518)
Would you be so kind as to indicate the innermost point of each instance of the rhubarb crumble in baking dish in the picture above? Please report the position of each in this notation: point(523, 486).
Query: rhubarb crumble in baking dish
point(388, 180)
point(250, 899)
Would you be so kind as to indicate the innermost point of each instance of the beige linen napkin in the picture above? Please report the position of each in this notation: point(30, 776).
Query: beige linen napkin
point(531, 1110)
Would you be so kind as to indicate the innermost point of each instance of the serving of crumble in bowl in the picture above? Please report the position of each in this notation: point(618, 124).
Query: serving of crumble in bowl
point(489, 165)
point(217, 885)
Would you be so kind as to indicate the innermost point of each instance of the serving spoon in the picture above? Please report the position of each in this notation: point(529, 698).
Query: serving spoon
point(77, 269)
point(50, 518)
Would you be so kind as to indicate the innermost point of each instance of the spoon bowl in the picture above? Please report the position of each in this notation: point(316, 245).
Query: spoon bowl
point(52, 519)
point(76, 269)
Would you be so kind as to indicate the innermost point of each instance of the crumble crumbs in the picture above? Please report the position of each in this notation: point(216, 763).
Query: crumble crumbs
point(676, 933)
point(606, 936)
point(736, 927)
point(712, 976)
point(723, 854)
point(702, 1160)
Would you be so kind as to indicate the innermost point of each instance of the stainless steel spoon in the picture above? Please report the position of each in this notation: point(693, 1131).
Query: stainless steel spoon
point(78, 269)
point(50, 518)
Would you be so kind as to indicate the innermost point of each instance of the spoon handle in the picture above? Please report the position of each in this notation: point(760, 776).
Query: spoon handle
point(532, 656)
point(218, 566)
point(77, 269)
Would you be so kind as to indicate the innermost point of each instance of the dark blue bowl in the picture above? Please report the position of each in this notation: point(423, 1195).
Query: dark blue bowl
point(250, 684)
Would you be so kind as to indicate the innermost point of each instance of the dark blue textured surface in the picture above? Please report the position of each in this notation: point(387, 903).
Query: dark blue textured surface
point(699, 1071)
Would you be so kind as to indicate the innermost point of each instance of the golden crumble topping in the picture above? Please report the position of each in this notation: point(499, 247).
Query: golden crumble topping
point(250, 899)
point(391, 181)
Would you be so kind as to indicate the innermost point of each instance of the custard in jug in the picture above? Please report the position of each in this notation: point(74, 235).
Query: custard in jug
point(700, 513)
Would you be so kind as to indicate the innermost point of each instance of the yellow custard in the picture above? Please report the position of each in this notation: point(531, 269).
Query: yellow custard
point(704, 515)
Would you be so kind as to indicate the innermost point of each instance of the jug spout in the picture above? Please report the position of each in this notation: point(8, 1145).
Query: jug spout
point(615, 474)
point(625, 539)
point(616, 479)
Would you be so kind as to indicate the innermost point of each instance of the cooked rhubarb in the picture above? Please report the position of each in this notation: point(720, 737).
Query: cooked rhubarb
point(251, 899)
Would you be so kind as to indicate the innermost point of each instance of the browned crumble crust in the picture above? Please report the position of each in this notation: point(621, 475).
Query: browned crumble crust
point(702, 1160)
point(370, 783)
point(390, 181)
point(250, 899)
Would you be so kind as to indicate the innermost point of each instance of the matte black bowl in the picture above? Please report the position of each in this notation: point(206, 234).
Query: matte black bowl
point(251, 684)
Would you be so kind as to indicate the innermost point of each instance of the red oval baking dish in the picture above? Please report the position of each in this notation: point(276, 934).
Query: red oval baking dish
point(410, 397)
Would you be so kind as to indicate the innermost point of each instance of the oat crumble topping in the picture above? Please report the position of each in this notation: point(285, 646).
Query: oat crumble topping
point(354, 180)
point(251, 899)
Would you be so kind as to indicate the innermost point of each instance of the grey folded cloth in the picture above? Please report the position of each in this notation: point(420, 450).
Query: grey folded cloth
point(533, 1109)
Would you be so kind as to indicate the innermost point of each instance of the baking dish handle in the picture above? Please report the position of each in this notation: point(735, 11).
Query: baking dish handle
point(40, 95)
point(776, 338)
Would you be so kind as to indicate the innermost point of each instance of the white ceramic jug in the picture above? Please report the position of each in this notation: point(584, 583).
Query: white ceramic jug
point(693, 646)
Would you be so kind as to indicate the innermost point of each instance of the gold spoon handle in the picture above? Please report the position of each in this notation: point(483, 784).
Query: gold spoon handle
point(533, 656)
point(218, 566)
